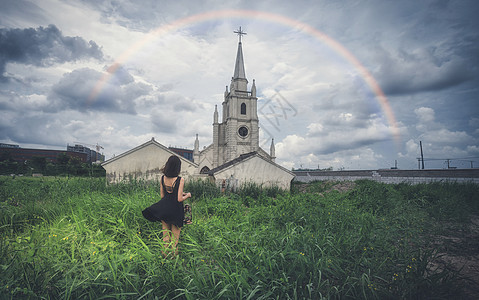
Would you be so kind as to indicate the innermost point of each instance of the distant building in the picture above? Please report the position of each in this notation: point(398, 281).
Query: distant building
point(16, 153)
point(24, 154)
point(2, 145)
point(91, 155)
point(186, 153)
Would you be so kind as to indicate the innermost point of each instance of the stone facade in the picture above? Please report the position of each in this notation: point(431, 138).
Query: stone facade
point(238, 132)
point(144, 163)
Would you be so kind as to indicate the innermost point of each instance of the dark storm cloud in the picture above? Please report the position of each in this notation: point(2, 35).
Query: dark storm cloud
point(345, 131)
point(147, 15)
point(73, 91)
point(350, 97)
point(423, 70)
point(433, 46)
point(163, 121)
point(183, 104)
point(31, 129)
point(163, 125)
point(14, 10)
point(43, 46)
point(341, 145)
point(179, 102)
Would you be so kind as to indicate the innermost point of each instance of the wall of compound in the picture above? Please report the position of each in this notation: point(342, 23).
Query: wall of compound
point(392, 176)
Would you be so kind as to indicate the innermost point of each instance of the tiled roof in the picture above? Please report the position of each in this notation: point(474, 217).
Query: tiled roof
point(232, 162)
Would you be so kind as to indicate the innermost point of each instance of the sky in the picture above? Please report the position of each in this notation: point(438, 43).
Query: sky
point(342, 84)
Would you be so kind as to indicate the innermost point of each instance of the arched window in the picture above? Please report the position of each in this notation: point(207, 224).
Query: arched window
point(243, 108)
point(204, 170)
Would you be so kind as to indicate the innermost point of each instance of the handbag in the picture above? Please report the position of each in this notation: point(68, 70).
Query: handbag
point(188, 218)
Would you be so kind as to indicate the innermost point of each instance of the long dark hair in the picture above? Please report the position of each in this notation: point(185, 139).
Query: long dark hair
point(172, 167)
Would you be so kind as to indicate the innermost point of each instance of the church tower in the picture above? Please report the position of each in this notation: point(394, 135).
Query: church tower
point(239, 130)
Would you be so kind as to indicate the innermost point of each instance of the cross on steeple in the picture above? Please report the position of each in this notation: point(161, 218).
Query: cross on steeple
point(240, 33)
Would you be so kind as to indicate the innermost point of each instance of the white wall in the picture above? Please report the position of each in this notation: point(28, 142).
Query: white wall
point(256, 170)
point(393, 176)
point(144, 164)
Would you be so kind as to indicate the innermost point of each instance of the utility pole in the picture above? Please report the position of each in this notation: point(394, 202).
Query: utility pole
point(422, 156)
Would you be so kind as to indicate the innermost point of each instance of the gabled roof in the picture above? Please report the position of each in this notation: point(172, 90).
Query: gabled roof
point(232, 162)
point(150, 142)
point(242, 158)
point(263, 153)
point(206, 149)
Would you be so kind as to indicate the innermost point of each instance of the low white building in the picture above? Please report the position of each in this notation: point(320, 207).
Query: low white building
point(144, 163)
point(251, 168)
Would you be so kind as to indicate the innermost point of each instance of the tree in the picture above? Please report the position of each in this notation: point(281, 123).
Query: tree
point(63, 159)
point(6, 156)
point(7, 167)
point(39, 164)
point(62, 162)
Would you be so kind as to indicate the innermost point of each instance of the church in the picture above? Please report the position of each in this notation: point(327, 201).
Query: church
point(234, 158)
point(238, 133)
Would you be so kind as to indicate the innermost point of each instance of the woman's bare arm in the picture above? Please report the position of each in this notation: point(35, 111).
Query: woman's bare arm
point(161, 189)
point(182, 196)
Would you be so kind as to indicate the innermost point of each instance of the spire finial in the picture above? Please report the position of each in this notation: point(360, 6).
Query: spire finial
point(215, 115)
point(240, 32)
point(272, 150)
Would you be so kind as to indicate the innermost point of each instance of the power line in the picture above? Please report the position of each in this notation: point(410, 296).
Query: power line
point(460, 158)
point(449, 160)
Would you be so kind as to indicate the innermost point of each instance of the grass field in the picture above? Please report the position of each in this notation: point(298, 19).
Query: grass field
point(77, 238)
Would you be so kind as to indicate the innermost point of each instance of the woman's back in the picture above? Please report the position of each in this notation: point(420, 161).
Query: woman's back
point(168, 209)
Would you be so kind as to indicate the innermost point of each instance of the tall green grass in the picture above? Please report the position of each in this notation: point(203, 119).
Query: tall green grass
point(78, 238)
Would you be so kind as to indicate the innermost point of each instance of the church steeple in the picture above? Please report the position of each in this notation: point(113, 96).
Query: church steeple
point(238, 132)
point(239, 76)
point(196, 150)
point(239, 65)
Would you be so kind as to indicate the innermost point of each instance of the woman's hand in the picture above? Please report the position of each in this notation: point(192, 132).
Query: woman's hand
point(186, 196)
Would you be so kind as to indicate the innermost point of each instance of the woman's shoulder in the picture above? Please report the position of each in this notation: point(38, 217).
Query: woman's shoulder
point(169, 180)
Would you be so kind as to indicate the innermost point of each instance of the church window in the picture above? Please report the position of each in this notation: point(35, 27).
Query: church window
point(243, 131)
point(204, 170)
point(243, 108)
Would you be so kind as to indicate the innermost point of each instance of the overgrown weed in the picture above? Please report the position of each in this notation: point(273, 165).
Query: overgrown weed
point(79, 239)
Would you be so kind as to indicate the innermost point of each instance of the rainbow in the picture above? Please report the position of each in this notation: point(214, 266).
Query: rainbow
point(265, 16)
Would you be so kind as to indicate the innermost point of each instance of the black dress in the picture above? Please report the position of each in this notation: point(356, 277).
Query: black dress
point(168, 209)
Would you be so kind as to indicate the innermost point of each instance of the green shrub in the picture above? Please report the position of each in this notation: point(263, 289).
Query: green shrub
point(374, 197)
point(443, 201)
point(202, 189)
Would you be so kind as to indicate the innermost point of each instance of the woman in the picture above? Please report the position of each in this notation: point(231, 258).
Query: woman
point(169, 210)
